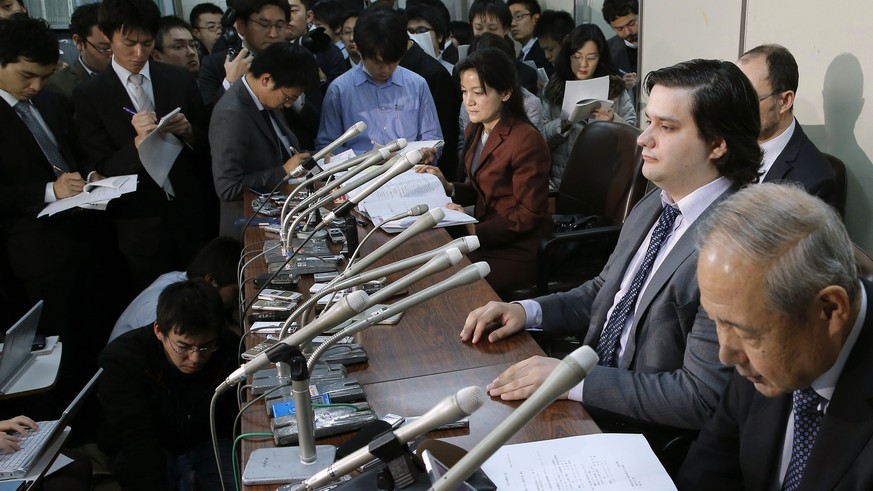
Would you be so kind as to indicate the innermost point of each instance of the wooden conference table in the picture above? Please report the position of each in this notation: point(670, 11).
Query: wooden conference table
point(421, 360)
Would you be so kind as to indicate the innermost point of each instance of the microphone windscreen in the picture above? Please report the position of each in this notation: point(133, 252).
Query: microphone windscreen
point(362, 438)
point(470, 399)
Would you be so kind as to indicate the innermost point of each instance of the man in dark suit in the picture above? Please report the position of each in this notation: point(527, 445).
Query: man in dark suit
point(58, 258)
point(622, 16)
point(525, 16)
point(778, 276)
point(94, 52)
point(659, 367)
point(251, 145)
point(160, 227)
point(788, 154)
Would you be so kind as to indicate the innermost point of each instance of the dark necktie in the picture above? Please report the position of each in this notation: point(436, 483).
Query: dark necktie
point(807, 420)
point(268, 118)
point(607, 347)
point(28, 114)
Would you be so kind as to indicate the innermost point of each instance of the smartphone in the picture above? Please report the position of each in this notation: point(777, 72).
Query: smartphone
point(38, 343)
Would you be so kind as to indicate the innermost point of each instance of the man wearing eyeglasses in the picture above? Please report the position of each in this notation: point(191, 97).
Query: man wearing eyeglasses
point(205, 21)
point(789, 155)
point(94, 52)
point(175, 44)
point(525, 15)
point(622, 15)
point(156, 390)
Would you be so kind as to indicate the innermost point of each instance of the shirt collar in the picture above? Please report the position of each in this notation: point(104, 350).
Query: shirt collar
point(124, 73)
point(773, 148)
point(528, 45)
point(696, 202)
point(9, 98)
point(90, 72)
point(252, 93)
point(362, 75)
point(826, 383)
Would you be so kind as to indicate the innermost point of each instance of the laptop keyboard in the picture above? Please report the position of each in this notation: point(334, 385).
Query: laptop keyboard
point(31, 446)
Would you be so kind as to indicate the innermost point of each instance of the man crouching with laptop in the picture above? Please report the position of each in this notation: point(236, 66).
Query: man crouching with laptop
point(156, 389)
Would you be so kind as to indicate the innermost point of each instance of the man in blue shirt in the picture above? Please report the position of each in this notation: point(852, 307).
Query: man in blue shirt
point(393, 101)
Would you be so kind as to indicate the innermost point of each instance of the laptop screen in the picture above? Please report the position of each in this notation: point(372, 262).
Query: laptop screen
point(18, 342)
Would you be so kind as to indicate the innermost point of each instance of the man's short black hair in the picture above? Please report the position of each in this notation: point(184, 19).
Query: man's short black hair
point(127, 16)
point(25, 38)
point(83, 19)
point(167, 23)
point(203, 8)
point(251, 7)
point(462, 31)
point(613, 9)
point(554, 25)
point(783, 74)
point(330, 12)
point(430, 15)
point(724, 105)
point(491, 8)
point(190, 308)
point(218, 259)
point(290, 65)
point(437, 4)
point(380, 33)
point(532, 6)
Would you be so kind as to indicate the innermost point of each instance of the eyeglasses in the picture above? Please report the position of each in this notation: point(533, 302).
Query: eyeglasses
point(190, 350)
point(211, 26)
point(280, 26)
point(764, 97)
point(289, 99)
point(419, 30)
point(102, 51)
point(589, 58)
point(520, 16)
point(194, 45)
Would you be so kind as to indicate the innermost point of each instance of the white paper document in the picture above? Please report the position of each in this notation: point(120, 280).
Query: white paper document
point(95, 193)
point(402, 193)
point(158, 152)
point(601, 462)
point(577, 91)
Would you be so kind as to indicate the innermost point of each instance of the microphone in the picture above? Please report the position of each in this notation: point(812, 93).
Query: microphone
point(348, 306)
point(415, 211)
point(406, 162)
point(572, 369)
point(441, 261)
point(463, 244)
point(355, 130)
point(426, 221)
point(463, 403)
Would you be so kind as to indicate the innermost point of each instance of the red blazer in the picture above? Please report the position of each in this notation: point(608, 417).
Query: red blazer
point(510, 190)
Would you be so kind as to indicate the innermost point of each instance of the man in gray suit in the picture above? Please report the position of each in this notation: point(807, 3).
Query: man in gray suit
point(250, 142)
point(95, 54)
point(659, 364)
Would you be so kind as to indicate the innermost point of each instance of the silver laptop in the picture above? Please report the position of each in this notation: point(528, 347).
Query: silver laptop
point(16, 465)
point(17, 345)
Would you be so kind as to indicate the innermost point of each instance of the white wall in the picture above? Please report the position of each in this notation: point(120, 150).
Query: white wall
point(832, 45)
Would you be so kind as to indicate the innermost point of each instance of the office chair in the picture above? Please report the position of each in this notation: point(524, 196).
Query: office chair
point(601, 184)
point(840, 176)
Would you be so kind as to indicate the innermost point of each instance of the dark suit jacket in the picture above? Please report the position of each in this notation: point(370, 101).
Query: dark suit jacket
point(622, 57)
point(801, 162)
point(446, 97)
point(669, 373)
point(510, 190)
point(741, 446)
point(332, 63)
point(450, 54)
point(35, 246)
point(107, 136)
point(538, 56)
point(245, 152)
point(527, 77)
point(64, 81)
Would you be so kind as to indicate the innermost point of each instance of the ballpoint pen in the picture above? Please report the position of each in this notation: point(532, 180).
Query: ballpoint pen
point(129, 111)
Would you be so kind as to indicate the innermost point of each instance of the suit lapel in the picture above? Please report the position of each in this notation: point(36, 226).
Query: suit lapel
point(160, 89)
point(762, 452)
point(848, 425)
point(7, 113)
point(783, 163)
point(49, 113)
point(245, 99)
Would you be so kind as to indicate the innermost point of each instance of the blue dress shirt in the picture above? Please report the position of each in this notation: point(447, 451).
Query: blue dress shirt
point(400, 107)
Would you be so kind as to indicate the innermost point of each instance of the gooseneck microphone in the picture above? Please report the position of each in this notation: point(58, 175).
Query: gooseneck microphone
point(355, 130)
point(572, 369)
point(461, 404)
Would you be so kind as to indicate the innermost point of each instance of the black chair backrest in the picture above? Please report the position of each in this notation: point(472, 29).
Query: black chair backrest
point(840, 176)
point(604, 173)
point(865, 263)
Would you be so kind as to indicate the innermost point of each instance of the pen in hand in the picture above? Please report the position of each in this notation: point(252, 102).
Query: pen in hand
point(129, 111)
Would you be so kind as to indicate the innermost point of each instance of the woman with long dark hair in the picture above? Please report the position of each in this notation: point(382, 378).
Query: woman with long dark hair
point(507, 164)
point(584, 55)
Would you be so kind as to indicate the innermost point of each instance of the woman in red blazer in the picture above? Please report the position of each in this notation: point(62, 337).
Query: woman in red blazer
point(507, 163)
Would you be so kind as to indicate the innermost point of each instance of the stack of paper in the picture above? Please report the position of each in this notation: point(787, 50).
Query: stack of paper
point(583, 97)
point(95, 194)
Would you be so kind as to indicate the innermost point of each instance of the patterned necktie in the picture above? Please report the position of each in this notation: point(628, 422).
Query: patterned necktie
point(607, 347)
point(27, 113)
point(807, 420)
point(143, 101)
